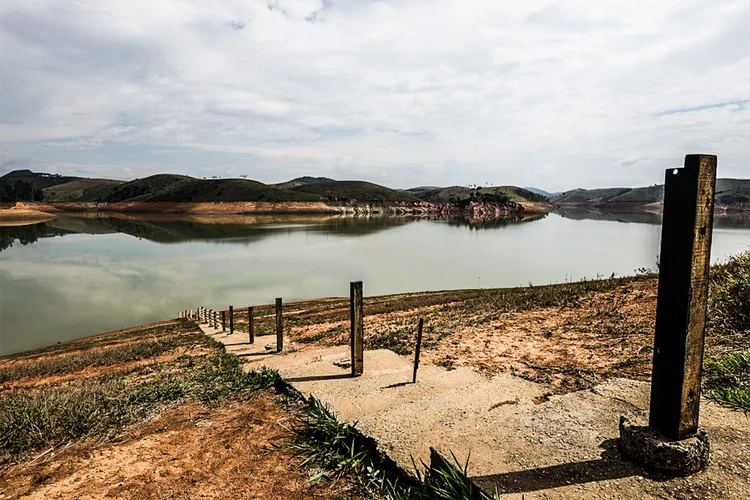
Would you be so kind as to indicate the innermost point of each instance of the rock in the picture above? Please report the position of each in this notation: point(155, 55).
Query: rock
point(650, 448)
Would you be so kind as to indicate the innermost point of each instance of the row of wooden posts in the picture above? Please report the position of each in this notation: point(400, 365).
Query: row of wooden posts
point(356, 306)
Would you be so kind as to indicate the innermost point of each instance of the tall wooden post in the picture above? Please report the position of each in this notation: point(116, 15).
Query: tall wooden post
point(356, 305)
point(250, 325)
point(231, 320)
point(223, 320)
point(279, 327)
point(682, 296)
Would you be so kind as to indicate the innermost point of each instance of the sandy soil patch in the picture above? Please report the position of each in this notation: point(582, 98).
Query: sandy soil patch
point(192, 451)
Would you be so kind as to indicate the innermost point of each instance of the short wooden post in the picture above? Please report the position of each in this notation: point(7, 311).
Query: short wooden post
point(231, 320)
point(356, 305)
point(216, 319)
point(250, 325)
point(418, 350)
point(223, 320)
point(279, 327)
point(682, 296)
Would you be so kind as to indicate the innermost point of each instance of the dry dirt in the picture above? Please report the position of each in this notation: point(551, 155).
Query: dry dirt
point(193, 451)
point(607, 334)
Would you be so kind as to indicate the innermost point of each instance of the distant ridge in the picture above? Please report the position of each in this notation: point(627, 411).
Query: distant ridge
point(730, 194)
point(541, 191)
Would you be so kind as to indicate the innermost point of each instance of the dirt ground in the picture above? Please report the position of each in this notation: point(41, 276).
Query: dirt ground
point(604, 334)
point(193, 451)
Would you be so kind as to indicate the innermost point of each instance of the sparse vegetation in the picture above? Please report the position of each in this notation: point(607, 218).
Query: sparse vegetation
point(727, 376)
point(52, 414)
point(333, 450)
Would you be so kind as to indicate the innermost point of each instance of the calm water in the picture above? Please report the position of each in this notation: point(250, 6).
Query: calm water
point(77, 276)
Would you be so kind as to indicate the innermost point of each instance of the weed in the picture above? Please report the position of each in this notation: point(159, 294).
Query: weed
point(727, 380)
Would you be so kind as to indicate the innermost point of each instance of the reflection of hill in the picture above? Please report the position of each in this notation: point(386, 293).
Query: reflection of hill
point(237, 229)
point(731, 221)
point(27, 234)
point(494, 223)
point(637, 217)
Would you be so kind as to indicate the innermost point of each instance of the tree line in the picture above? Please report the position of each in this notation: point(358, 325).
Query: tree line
point(19, 191)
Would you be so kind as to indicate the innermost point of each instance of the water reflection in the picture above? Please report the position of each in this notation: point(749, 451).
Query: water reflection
point(721, 221)
point(116, 272)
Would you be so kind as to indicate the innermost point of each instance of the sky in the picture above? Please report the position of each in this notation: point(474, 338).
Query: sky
point(552, 94)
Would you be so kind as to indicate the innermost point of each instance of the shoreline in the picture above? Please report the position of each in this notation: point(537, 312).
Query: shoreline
point(24, 213)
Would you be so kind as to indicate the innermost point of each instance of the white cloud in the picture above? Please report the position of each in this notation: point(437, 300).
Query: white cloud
point(401, 92)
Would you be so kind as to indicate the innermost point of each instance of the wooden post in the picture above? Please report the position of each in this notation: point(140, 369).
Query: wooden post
point(231, 320)
point(216, 319)
point(681, 302)
point(250, 325)
point(223, 320)
point(417, 351)
point(356, 305)
point(279, 327)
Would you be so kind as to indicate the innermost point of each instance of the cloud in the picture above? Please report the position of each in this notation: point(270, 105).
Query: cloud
point(405, 93)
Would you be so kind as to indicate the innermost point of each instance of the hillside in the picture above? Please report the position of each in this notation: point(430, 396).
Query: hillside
point(38, 180)
point(458, 193)
point(179, 188)
point(729, 192)
point(354, 190)
point(301, 181)
point(80, 190)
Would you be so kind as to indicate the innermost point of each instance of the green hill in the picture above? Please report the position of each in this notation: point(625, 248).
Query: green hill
point(38, 180)
point(80, 190)
point(180, 188)
point(301, 181)
point(354, 191)
point(728, 191)
point(458, 193)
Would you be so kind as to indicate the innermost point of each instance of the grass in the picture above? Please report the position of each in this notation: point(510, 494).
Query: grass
point(332, 450)
point(727, 371)
point(70, 363)
point(102, 406)
point(728, 380)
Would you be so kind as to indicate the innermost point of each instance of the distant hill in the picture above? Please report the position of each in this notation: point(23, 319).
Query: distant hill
point(300, 181)
point(38, 180)
point(458, 193)
point(180, 188)
point(728, 192)
point(354, 190)
point(541, 191)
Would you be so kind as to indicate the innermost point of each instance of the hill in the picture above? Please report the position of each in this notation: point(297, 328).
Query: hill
point(728, 192)
point(80, 190)
point(354, 190)
point(541, 191)
point(301, 181)
point(38, 180)
point(180, 188)
point(458, 193)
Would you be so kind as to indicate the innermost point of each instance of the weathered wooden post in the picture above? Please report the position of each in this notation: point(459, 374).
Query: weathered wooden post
point(356, 305)
point(683, 292)
point(216, 319)
point(250, 325)
point(231, 320)
point(279, 327)
point(687, 224)
point(417, 350)
point(223, 320)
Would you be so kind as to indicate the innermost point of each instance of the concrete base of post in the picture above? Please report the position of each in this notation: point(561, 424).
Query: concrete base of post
point(652, 449)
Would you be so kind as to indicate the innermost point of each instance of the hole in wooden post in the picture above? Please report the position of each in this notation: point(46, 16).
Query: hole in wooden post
point(675, 171)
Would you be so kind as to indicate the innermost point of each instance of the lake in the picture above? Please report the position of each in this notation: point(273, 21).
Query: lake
point(81, 275)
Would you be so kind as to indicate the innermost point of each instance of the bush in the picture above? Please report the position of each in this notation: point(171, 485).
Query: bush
point(729, 300)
